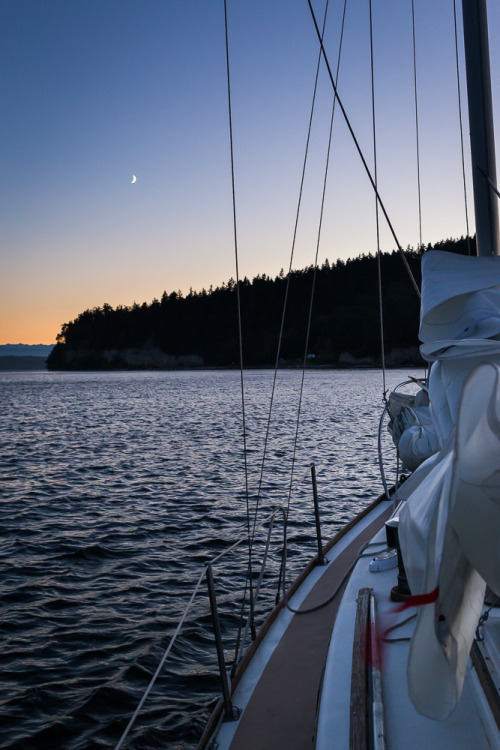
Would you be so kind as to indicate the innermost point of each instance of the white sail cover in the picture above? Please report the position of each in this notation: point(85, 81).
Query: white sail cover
point(412, 427)
point(450, 525)
point(459, 326)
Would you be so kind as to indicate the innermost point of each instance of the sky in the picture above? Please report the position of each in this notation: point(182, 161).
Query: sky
point(96, 91)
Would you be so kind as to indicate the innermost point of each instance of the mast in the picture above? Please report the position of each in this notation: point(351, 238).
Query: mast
point(482, 138)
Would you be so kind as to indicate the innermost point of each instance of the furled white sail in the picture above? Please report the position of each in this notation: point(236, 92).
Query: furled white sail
point(450, 525)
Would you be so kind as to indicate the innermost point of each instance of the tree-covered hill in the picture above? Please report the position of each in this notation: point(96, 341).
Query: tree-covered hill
point(201, 329)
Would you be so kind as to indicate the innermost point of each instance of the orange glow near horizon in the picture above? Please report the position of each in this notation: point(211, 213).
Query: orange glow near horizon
point(26, 325)
point(76, 234)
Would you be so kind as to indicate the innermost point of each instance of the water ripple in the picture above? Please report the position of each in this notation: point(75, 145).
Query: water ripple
point(116, 488)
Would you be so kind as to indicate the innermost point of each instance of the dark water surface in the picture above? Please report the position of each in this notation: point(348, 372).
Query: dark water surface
point(115, 489)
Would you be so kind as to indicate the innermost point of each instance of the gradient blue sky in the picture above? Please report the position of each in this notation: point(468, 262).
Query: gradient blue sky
point(94, 91)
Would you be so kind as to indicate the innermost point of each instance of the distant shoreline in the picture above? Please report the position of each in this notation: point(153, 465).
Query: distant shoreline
point(22, 365)
point(22, 362)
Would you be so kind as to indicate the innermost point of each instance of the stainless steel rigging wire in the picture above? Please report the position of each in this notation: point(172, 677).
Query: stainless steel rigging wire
point(162, 662)
point(360, 152)
point(287, 287)
point(285, 301)
point(238, 303)
point(375, 177)
point(469, 250)
point(315, 270)
point(415, 90)
point(489, 181)
point(239, 643)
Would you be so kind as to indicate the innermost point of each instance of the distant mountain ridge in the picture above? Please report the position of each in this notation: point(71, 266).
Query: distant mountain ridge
point(25, 350)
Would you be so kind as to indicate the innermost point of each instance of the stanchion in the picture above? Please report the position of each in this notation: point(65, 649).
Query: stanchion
point(321, 559)
point(229, 712)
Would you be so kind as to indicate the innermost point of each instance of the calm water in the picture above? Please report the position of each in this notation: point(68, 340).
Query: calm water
point(115, 488)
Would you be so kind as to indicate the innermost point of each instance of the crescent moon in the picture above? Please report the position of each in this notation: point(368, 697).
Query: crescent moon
point(134, 178)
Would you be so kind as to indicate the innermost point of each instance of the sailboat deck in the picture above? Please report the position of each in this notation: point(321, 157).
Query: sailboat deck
point(280, 700)
point(470, 726)
point(286, 681)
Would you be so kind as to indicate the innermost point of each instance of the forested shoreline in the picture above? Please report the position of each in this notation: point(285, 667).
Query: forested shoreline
point(201, 329)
